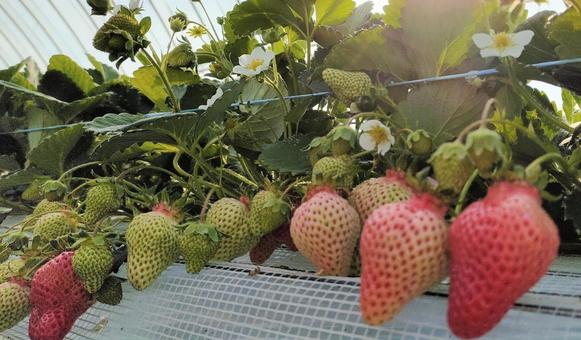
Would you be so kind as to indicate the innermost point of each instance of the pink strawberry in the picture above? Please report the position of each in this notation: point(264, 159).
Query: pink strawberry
point(376, 192)
point(403, 253)
point(58, 298)
point(325, 229)
point(500, 246)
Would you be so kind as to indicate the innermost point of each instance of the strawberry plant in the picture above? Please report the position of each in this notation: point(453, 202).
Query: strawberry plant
point(355, 138)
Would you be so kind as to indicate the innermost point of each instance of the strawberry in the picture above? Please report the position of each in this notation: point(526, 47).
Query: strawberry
point(10, 269)
point(153, 245)
point(198, 244)
point(54, 225)
point(92, 264)
point(58, 298)
point(335, 171)
point(46, 206)
point(181, 56)
point(343, 139)
point(419, 143)
point(347, 86)
point(317, 149)
point(230, 217)
point(403, 253)
point(14, 304)
point(376, 192)
point(325, 229)
point(102, 199)
point(111, 292)
point(53, 190)
point(486, 150)
point(452, 167)
point(267, 212)
point(264, 249)
point(500, 247)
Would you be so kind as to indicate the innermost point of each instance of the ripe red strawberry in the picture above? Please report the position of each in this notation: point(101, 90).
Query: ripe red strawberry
point(58, 298)
point(376, 192)
point(403, 253)
point(325, 229)
point(500, 246)
point(264, 249)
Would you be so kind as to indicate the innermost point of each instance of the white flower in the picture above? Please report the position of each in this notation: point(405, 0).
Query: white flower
point(375, 135)
point(502, 44)
point(255, 63)
point(219, 93)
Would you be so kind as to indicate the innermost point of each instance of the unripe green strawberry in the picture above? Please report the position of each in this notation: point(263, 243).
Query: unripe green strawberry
point(347, 86)
point(102, 199)
point(342, 139)
point(403, 253)
point(486, 150)
point(54, 225)
point(92, 264)
point(325, 229)
point(14, 304)
point(419, 143)
point(53, 190)
point(452, 167)
point(10, 269)
point(230, 217)
point(336, 171)
point(375, 192)
point(178, 22)
point(46, 206)
point(111, 292)
point(100, 7)
point(182, 56)
point(153, 245)
point(198, 244)
point(318, 148)
point(267, 212)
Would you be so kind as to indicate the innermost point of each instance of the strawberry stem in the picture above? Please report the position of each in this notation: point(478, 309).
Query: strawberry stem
point(464, 193)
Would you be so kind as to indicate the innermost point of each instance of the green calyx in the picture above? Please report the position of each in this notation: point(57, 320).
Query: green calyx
point(182, 56)
point(486, 150)
point(419, 143)
point(342, 140)
point(54, 190)
point(178, 22)
point(100, 7)
point(202, 229)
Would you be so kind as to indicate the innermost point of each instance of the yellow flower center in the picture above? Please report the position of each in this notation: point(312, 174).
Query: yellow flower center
point(502, 40)
point(255, 63)
point(378, 134)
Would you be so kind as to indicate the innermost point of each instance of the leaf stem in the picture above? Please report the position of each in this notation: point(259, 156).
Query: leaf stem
point(165, 80)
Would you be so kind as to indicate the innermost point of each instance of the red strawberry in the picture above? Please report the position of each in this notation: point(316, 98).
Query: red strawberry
point(403, 253)
point(325, 229)
point(264, 249)
point(500, 246)
point(58, 298)
point(283, 235)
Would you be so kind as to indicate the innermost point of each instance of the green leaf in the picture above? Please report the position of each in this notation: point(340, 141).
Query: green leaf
point(8, 163)
point(39, 118)
point(147, 81)
point(48, 101)
point(73, 71)
point(360, 16)
point(388, 53)
point(107, 72)
point(541, 48)
point(51, 153)
point(565, 29)
point(113, 122)
point(333, 12)
point(392, 14)
point(119, 143)
point(568, 104)
point(443, 109)
point(250, 15)
point(287, 155)
point(74, 109)
point(9, 73)
point(21, 177)
point(265, 123)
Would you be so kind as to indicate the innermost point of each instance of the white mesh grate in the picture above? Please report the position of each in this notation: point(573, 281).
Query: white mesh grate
point(225, 302)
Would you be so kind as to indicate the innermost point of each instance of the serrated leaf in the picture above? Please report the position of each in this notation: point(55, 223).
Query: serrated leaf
point(392, 14)
point(51, 153)
point(265, 123)
point(147, 81)
point(333, 12)
point(119, 143)
point(39, 118)
point(541, 48)
point(113, 122)
point(9, 73)
point(443, 109)
point(565, 29)
point(25, 176)
point(288, 155)
point(73, 109)
point(359, 17)
point(73, 71)
point(48, 101)
point(107, 72)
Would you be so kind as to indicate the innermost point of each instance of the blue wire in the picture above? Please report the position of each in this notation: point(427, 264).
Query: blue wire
point(466, 75)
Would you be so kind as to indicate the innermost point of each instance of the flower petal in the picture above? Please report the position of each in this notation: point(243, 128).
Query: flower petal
point(512, 51)
point(244, 71)
point(523, 38)
point(482, 40)
point(245, 59)
point(370, 124)
point(366, 142)
point(489, 52)
point(383, 148)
